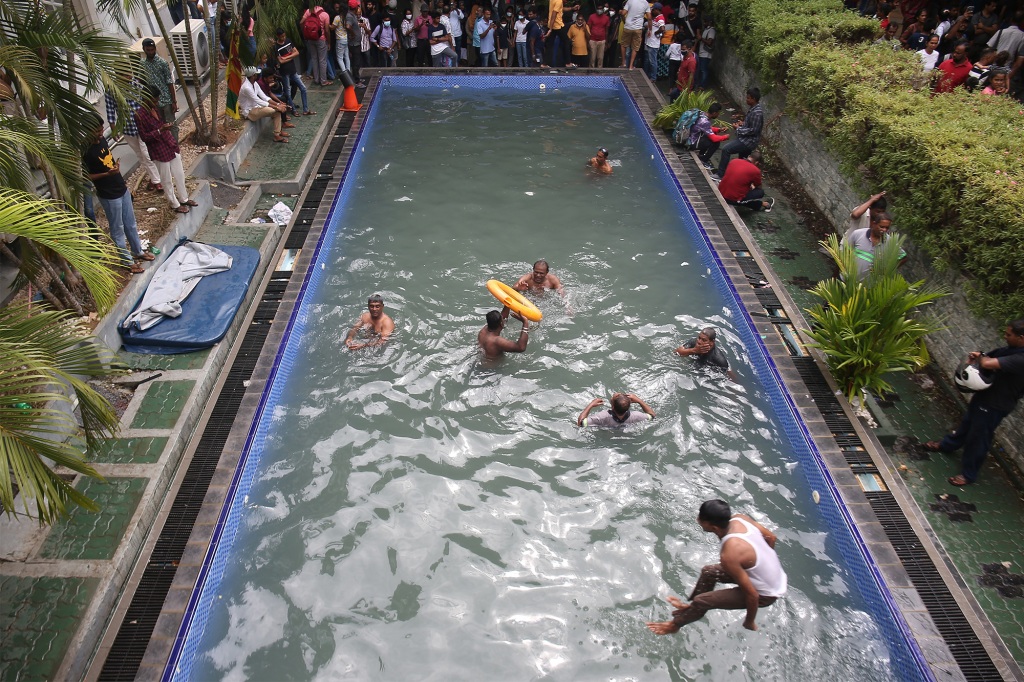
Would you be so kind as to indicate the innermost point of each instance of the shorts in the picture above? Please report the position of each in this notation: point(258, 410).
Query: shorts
point(502, 53)
point(632, 39)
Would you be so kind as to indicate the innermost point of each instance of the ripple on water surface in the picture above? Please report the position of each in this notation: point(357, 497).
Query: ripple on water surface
point(419, 514)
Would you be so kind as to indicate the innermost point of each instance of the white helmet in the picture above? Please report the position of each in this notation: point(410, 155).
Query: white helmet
point(970, 378)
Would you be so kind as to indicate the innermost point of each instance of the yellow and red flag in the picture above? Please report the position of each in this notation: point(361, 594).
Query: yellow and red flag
point(234, 71)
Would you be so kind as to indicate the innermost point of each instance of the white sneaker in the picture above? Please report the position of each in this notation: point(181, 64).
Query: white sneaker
point(770, 206)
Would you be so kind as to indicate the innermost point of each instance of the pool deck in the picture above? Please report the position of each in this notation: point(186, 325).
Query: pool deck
point(173, 465)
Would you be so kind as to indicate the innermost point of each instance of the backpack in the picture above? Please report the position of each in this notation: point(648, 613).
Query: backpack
point(312, 29)
point(681, 134)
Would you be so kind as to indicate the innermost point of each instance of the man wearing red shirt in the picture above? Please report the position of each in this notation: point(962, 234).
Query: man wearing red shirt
point(741, 185)
point(688, 67)
point(598, 23)
point(953, 72)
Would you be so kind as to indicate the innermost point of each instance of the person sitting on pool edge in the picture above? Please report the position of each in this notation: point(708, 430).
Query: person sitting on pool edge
point(493, 343)
point(705, 351)
point(619, 415)
point(540, 279)
point(375, 320)
point(600, 162)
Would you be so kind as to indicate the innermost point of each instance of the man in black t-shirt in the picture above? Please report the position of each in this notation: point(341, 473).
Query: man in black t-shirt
point(987, 407)
point(286, 56)
point(705, 351)
point(115, 198)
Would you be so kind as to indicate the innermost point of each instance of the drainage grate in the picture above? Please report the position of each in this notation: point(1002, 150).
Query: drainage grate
point(956, 630)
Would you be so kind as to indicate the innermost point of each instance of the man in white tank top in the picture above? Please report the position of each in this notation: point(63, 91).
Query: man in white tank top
point(747, 558)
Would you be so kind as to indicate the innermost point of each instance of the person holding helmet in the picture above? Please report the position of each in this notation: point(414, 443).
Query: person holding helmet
point(989, 405)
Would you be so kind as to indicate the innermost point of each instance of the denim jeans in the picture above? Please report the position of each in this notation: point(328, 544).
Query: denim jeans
point(341, 53)
point(703, 71)
point(489, 58)
point(651, 62)
point(521, 55)
point(121, 217)
point(731, 148)
point(974, 435)
point(295, 81)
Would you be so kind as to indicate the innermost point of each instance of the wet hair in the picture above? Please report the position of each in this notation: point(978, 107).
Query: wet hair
point(494, 320)
point(620, 403)
point(376, 298)
point(880, 216)
point(709, 332)
point(544, 263)
point(755, 93)
point(754, 156)
point(714, 108)
point(1017, 327)
point(715, 512)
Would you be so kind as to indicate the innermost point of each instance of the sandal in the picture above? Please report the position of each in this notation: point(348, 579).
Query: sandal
point(309, 113)
point(932, 446)
point(288, 125)
point(959, 481)
point(145, 255)
point(155, 187)
point(181, 209)
point(190, 202)
point(326, 83)
point(280, 139)
point(136, 269)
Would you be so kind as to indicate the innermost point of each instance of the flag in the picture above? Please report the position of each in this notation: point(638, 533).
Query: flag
point(234, 72)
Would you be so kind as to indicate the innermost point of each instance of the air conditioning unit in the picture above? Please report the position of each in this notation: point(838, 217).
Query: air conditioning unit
point(201, 43)
point(161, 48)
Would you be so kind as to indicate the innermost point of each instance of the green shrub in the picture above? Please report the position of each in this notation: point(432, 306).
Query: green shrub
point(866, 328)
point(768, 32)
point(954, 163)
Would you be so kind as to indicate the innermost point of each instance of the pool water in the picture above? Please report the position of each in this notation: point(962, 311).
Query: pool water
point(417, 513)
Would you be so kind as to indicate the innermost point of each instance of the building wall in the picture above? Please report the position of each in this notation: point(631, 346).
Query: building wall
point(802, 151)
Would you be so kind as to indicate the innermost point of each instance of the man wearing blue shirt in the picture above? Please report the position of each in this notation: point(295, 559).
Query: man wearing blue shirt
point(485, 29)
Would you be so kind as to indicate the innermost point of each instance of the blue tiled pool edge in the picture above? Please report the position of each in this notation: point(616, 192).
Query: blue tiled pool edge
point(851, 545)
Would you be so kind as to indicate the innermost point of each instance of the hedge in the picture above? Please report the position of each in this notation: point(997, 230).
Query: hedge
point(953, 164)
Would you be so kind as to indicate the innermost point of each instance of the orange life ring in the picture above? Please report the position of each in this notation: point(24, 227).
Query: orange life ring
point(515, 301)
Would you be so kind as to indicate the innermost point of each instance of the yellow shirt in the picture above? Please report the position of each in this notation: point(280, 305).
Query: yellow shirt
point(579, 35)
point(555, 8)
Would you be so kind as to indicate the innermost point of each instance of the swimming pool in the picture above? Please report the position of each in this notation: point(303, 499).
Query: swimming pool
point(409, 512)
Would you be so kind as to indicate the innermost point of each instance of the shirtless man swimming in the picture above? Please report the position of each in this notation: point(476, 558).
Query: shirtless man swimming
point(376, 321)
point(540, 279)
point(493, 343)
point(600, 162)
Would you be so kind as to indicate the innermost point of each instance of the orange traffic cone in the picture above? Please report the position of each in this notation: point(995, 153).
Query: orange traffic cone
point(349, 101)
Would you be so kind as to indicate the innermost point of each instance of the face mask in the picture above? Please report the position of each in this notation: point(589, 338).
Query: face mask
point(600, 11)
point(387, 23)
point(520, 17)
point(408, 16)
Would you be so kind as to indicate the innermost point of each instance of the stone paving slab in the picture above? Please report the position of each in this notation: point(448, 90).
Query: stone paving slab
point(140, 450)
point(95, 535)
point(162, 404)
point(38, 617)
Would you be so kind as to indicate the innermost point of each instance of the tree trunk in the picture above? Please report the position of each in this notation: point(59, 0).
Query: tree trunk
point(71, 300)
point(215, 139)
point(54, 301)
point(196, 81)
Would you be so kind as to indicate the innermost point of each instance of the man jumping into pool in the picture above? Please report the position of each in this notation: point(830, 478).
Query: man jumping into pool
point(375, 321)
point(540, 279)
point(747, 558)
point(620, 415)
point(600, 162)
point(493, 343)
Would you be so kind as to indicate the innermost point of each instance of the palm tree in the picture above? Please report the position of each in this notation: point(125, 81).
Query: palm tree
point(866, 327)
point(42, 355)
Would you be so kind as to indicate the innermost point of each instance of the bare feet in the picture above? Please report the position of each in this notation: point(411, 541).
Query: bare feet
point(663, 628)
point(932, 446)
point(677, 602)
point(958, 480)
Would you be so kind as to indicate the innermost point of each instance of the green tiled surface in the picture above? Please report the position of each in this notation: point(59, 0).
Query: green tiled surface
point(143, 362)
point(271, 161)
point(267, 201)
point(128, 450)
point(38, 618)
point(235, 235)
point(994, 535)
point(162, 404)
point(88, 535)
